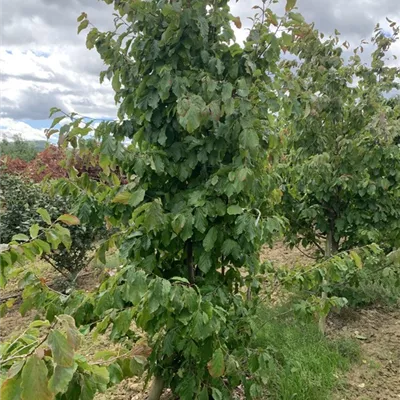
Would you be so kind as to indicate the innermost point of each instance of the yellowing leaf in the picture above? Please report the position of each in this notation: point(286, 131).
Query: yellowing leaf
point(290, 4)
point(34, 380)
point(216, 367)
point(122, 197)
point(63, 353)
point(69, 219)
point(11, 389)
point(237, 22)
point(356, 258)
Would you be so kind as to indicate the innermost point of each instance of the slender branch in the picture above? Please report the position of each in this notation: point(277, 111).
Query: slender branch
point(304, 253)
point(39, 343)
point(11, 296)
point(46, 258)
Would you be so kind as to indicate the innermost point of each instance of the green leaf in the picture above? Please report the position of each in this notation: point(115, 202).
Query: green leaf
point(34, 231)
point(216, 367)
point(135, 287)
point(297, 17)
point(116, 83)
point(63, 353)
point(290, 4)
point(69, 219)
point(136, 197)
point(205, 262)
point(243, 88)
point(230, 247)
point(234, 210)
point(200, 220)
point(178, 223)
point(190, 110)
point(44, 246)
point(216, 394)
point(210, 239)
point(61, 378)
point(34, 380)
point(88, 388)
point(203, 394)
point(83, 25)
point(45, 215)
point(226, 91)
point(56, 121)
point(249, 139)
point(11, 389)
point(105, 302)
point(20, 237)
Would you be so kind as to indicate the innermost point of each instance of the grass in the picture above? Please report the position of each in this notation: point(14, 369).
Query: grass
point(306, 365)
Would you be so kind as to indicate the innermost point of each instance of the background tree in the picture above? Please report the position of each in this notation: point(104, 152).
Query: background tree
point(18, 148)
point(341, 175)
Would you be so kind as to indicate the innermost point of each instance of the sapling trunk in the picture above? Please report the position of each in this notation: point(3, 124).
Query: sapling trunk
point(331, 247)
point(189, 261)
point(156, 388)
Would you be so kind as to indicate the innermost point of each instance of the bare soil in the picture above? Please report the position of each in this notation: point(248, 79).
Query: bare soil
point(377, 376)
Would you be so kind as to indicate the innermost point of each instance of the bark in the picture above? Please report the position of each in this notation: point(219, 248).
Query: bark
point(156, 388)
point(331, 248)
point(189, 261)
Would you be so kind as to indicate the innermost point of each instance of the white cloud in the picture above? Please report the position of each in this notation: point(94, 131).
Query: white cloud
point(10, 127)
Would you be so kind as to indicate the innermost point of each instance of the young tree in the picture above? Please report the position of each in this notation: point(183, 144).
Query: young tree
point(198, 110)
point(342, 184)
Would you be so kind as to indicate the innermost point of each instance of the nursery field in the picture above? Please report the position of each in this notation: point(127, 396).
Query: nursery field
point(359, 358)
point(234, 233)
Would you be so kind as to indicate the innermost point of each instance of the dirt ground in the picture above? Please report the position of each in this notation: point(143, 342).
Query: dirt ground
point(375, 377)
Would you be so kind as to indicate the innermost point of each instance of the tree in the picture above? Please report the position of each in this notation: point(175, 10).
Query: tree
point(341, 184)
point(18, 148)
point(199, 112)
point(341, 191)
point(19, 201)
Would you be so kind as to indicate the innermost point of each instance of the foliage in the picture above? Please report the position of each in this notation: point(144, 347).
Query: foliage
point(340, 183)
point(19, 201)
point(18, 148)
point(198, 110)
point(47, 163)
point(303, 364)
point(344, 278)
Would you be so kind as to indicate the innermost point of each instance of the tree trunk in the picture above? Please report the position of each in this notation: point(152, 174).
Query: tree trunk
point(156, 388)
point(331, 248)
point(189, 261)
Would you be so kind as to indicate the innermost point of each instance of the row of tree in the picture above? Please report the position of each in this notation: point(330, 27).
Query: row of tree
point(229, 147)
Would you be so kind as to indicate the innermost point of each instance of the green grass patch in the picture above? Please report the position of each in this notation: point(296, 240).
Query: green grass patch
point(305, 365)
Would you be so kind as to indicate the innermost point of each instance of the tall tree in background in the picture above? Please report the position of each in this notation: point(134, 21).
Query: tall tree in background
point(342, 176)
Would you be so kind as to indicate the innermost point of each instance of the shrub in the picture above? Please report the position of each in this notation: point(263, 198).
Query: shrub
point(19, 201)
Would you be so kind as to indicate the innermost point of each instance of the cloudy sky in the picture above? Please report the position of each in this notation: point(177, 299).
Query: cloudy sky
point(44, 63)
